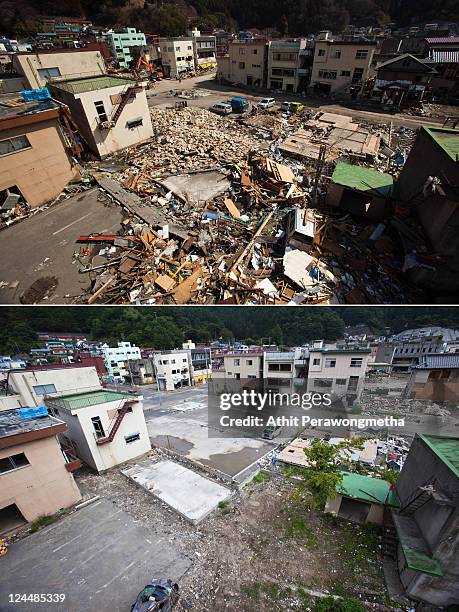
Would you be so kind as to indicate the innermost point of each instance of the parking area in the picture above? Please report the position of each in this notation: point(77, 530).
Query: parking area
point(100, 557)
point(47, 244)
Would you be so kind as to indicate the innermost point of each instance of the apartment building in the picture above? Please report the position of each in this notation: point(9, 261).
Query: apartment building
point(36, 152)
point(111, 113)
point(287, 65)
point(173, 370)
point(39, 68)
point(246, 63)
point(238, 366)
point(341, 66)
point(204, 49)
point(30, 386)
point(121, 43)
point(105, 428)
point(177, 56)
point(117, 359)
point(285, 371)
point(35, 473)
point(337, 370)
point(427, 523)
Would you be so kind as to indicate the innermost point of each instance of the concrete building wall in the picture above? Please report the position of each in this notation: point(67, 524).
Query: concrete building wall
point(102, 457)
point(121, 43)
point(7, 402)
point(434, 385)
point(338, 64)
point(68, 64)
point(177, 55)
point(246, 63)
point(13, 85)
point(42, 171)
point(321, 368)
point(44, 486)
point(284, 65)
point(173, 369)
point(243, 366)
point(65, 380)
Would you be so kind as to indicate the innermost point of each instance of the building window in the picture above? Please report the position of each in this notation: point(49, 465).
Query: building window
point(353, 383)
point(255, 51)
point(329, 75)
point(289, 72)
point(242, 65)
point(323, 382)
point(98, 428)
point(251, 376)
point(131, 438)
point(276, 71)
point(43, 389)
point(321, 52)
point(337, 54)
point(7, 464)
point(330, 363)
point(48, 73)
point(13, 145)
point(241, 51)
point(237, 362)
point(345, 73)
point(100, 109)
point(357, 76)
point(356, 362)
point(280, 367)
point(361, 54)
point(316, 362)
point(341, 381)
point(249, 362)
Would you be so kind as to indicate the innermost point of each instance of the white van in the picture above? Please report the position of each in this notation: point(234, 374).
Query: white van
point(221, 108)
point(266, 103)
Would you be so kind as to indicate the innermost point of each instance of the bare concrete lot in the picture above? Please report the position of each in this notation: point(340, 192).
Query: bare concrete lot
point(42, 247)
point(100, 557)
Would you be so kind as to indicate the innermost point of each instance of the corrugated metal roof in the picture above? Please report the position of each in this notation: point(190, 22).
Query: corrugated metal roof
point(443, 40)
point(443, 57)
point(446, 138)
point(91, 398)
point(445, 360)
point(446, 449)
point(366, 489)
point(95, 83)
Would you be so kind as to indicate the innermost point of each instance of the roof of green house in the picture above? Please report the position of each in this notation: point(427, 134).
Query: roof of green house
point(446, 449)
point(420, 562)
point(367, 489)
point(446, 138)
point(78, 86)
point(90, 398)
point(414, 546)
point(363, 179)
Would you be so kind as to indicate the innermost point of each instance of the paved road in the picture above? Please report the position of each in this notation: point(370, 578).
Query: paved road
point(99, 558)
point(206, 83)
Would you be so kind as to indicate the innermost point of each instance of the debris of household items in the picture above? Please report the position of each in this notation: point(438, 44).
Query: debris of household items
point(157, 595)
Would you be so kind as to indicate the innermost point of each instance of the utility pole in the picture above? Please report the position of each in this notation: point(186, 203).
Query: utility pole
point(319, 170)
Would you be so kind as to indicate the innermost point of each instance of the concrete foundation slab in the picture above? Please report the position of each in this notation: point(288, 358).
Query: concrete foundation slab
point(202, 186)
point(191, 495)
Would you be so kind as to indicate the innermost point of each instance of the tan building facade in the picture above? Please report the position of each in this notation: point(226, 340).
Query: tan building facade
point(246, 63)
point(35, 160)
point(177, 56)
point(340, 64)
point(34, 475)
point(111, 113)
point(40, 68)
point(239, 366)
point(286, 70)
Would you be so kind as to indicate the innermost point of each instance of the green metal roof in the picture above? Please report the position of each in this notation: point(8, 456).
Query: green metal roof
point(420, 562)
point(76, 401)
point(415, 548)
point(445, 138)
point(367, 489)
point(446, 449)
point(363, 179)
point(78, 86)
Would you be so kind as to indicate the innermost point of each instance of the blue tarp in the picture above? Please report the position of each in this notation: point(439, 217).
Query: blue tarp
point(30, 95)
point(33, 413)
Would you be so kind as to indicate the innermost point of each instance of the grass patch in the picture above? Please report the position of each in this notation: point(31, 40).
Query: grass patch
point(261, 477)
point(329, 604)
point(298, 529)
point(40, 522)
point(222, 504)
point(252, 590)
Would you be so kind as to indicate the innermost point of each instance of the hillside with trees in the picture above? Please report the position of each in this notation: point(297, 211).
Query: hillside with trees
point(171, 17)
point(167, 327)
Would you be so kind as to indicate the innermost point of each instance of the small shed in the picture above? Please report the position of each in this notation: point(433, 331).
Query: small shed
point(361, 191)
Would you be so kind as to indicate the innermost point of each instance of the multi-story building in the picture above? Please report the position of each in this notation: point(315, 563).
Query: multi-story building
point(284, 371)
point(427, 523)
point(30, 386)
point(340, 65)
point(122, 42)
point(246, 63)
point(337, 370)
point(435, 377)
point(177, 56)
point(238, 366)
point(36, 152)
point(35, 471)
point(173, 369)
point(222, 41)
point(105, 428)
point(111, 113)
point(287, 65)
point(40, 68)
point(117, 359)
point(201, 361)
point(204, 49)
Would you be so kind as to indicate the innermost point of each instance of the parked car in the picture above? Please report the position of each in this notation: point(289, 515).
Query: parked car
point(240, 105)
point(221, 108)
point(266, 103)
point(292, 107)
point(157, 595)
point(271, 432)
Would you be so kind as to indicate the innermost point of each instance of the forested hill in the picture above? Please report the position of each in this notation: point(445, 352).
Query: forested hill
point(171, 17)
point(167, 327)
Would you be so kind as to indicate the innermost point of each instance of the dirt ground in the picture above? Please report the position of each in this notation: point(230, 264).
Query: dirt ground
point(263, 551)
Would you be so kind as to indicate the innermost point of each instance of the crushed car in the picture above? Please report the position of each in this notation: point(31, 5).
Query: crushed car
point(157, 595)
